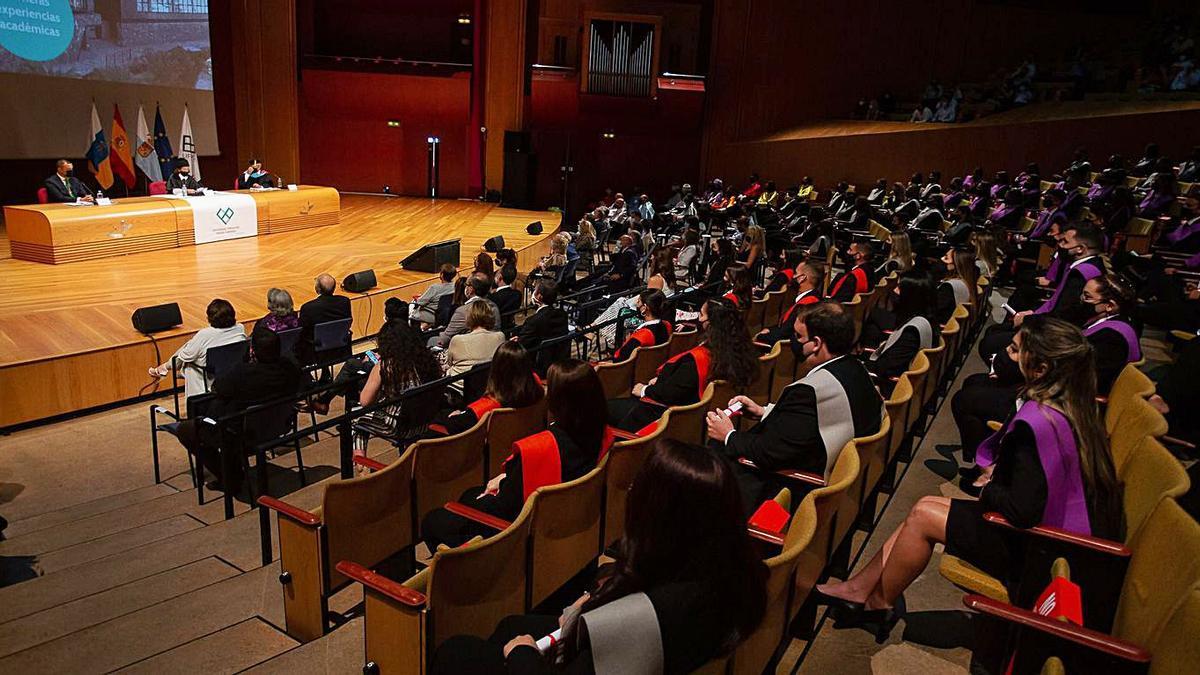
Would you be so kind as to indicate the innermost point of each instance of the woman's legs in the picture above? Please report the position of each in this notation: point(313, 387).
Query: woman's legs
point(903, 556)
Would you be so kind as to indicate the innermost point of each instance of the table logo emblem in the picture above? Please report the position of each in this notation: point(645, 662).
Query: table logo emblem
point(225, 215)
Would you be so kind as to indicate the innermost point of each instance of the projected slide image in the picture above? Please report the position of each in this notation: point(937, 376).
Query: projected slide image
point(153, 42)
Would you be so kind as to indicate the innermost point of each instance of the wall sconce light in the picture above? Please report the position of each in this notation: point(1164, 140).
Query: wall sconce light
point(393, 123)
point(464, 19)
point(608, 135)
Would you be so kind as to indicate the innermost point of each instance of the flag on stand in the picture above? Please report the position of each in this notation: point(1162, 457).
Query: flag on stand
point(187, 146)
point(122, 158)
point(97, 154)
point(145, 156)
point(162, 145)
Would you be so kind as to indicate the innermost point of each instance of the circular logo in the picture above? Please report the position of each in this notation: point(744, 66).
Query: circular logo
point(36, 30)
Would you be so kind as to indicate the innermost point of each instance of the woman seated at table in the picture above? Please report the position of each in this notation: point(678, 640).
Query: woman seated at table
point(575, 442)
point(1048, 465)
point(686, 585)
point(511, 384)
point(726, 353)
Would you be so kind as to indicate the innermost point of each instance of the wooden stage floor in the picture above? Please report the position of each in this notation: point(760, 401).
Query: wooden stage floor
point(66, 342)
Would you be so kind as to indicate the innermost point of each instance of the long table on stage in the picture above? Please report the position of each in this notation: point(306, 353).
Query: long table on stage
point(62, 233)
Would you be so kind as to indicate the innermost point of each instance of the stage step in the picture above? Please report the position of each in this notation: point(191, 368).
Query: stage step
point(94, 609)
point(70, 514)
point(117, 543)
point(340, 651)
point(227, 651)
point(134, 637)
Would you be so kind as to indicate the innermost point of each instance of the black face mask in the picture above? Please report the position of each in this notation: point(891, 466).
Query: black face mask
point(70, 174)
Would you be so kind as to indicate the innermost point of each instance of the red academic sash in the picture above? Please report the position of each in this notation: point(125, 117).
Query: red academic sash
point(810, 299)
point(733, 299)
point(483, 406)
point(860, 281)
point(703, 360)
point(541, 462)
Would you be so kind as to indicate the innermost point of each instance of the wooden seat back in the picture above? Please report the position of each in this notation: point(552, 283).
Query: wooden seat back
point(370, 518)
point(1139, 421)
point(685, 423)
point(873, 460)
point(1164, 568)
point(617, 378)
point(756, 650)
point(937, 360)
point(773, 308)
point(444, 468)
point(756, 316)
point(828, 502)
point(682, 341)
point(1150, 475)
point(760, 387)
point(898, 406)
point(625, 459)
point(649, 359)
point(785, 370)
point(566, 532)
point(509, 425)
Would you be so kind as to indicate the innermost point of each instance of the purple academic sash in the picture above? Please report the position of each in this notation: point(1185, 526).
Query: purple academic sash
point(1088, 268)
point(1131, 338)
point(1066, 502)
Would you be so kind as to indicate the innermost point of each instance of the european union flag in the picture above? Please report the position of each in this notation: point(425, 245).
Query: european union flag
point(162, 144)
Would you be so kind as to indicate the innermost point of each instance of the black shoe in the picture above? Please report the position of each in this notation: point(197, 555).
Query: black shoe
point(967, 485)
point(836, 605)
point(947, 451)
point(879, 622)
point(970, 473)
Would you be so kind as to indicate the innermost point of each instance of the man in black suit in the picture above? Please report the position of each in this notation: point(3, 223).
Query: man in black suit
point(325, 307)
point(267, 377)
point(507, 298)
point(63, 186)
point(546, 322)
point(183, 178)
point(624, 265)
point(814, 417)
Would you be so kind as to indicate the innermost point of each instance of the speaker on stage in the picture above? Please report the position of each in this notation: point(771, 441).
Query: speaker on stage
point(494, 244)
point(157, 318)
point(360, 282)
point(430, 257)
point(519, 167)
point(534, 228)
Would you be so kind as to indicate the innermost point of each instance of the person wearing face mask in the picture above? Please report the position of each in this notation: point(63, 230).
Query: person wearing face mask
point(254, 176)
point(726, 353)
point(960, 285)
point(913, 303)
point(624, 265)
point(857, 277)
point(1113, 337)
point(63, 186)
point(182, 179)
point(807, 277)
point(653, 331)
point(814, 416)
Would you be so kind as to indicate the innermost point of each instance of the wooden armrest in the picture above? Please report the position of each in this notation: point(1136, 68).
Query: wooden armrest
point(773, 538)
point(790, 474)
point(1101, 400)
point(381, 584)
point(372, 464)
point(485, 519)
point(293, 512)
point(1177, 442)
point(622, 435)
point(1084, 637)
point(994, 425)
point(1082, 540)
point(763, 346)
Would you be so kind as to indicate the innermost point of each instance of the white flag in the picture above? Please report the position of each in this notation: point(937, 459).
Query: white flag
point(144, 154)
point(187, 145)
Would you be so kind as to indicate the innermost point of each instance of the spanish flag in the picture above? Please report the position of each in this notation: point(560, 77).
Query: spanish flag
point(122, 157)
point(97, 154)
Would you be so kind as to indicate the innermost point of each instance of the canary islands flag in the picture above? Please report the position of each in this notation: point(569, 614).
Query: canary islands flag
point(146, 156)
point(97, 154)
point(120, 154)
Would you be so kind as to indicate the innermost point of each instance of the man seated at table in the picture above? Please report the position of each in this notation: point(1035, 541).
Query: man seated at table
point(255, 177)
point(63, 186)
point(183, 178)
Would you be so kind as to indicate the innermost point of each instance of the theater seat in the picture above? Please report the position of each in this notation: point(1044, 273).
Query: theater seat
point(966, 576)
point(158, 187)
point(43, 196)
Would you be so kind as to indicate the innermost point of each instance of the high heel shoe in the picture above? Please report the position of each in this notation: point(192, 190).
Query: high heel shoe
point(836, 605)
point(879, 622)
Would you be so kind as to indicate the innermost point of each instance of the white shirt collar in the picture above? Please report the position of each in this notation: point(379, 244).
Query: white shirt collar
point(1082, 260)
point(502, 288)
point(801, 294)
point(818, 367)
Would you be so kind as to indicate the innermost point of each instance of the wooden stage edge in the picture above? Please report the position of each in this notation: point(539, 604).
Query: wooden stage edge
point(66, 344)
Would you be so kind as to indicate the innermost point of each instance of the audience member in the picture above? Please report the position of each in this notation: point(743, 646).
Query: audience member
point(281, 314)
point(425, 306)
point(511, 383)
point(477, 344)
point(651, 306)
point(548, 321)
point(476, 290)
point(324, 308)
point(192, 358)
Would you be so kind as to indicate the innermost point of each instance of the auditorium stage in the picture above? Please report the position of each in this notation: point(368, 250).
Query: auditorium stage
point(66, 343)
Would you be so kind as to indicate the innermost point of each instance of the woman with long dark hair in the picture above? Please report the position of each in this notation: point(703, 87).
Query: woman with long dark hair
point(404, 362)
point(686, 577)
point(573, 444)
point(960, 285)
point(726, 353)
point(722, 258)
point(741, 287)
point(911, 331)
point(511, 383)
point(1048, 465)
point(662, 271)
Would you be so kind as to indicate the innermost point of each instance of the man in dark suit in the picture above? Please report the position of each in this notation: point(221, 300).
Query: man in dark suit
point(546, 322)
point(183, 178)
point(477, 289)
point(507, 298)
point(624, 265)
point(814, 417)
point(63, 186)
point(325, 307)
point(858, 275)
